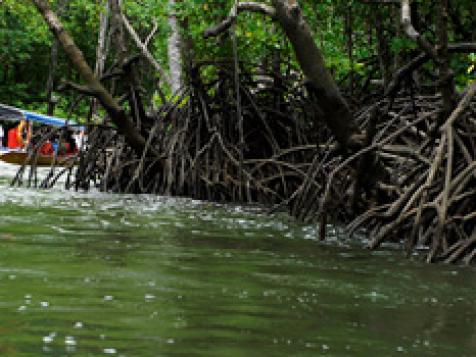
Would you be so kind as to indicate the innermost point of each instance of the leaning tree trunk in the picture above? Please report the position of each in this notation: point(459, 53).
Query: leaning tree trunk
point(93, 86)
point(333, 106)
point(336, 111)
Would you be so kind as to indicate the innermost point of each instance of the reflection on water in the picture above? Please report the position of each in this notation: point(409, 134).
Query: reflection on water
point(96, 274)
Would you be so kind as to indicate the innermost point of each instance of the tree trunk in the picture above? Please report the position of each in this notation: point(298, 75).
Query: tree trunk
point(102, 46)
point(333, 105)
point(117, 31)
point(101, 51)
point(175, 49)
point(117, 38)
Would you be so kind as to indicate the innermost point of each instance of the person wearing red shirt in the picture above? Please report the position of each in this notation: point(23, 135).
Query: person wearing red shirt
point(19, 136)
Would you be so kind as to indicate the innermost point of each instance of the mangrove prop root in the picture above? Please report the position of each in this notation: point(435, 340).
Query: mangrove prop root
point(413, 182)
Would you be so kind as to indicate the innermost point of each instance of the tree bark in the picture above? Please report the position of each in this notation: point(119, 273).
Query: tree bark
point(118, 39)
point(117, 31)
point(102, 47)
point(101, 52)
point(175, 49)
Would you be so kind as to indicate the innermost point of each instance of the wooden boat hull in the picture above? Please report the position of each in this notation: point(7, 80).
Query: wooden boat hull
point(20, 157)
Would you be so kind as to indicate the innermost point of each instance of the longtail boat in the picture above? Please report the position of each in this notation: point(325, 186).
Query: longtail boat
point(18, 155)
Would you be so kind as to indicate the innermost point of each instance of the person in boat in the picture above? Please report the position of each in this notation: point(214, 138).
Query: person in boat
point(66, 146)
point(19, 136)
point(47, 148)
point(72, 146)
point(80, 138)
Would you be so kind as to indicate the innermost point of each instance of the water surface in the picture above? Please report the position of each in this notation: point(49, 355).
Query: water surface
point(96, 274)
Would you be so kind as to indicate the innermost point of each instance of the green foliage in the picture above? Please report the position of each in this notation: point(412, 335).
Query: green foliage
point(26, 41)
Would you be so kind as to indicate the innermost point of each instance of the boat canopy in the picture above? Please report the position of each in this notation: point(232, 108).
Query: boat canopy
point(10, 113)
point(15, 114)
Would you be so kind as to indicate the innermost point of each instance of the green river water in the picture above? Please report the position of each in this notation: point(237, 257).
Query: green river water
point(96, 274)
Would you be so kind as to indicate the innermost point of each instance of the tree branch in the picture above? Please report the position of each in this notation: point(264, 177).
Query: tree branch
point(412, 33)
point(235, 10)
point(65, 85)
point(151, 35)
point(145, 52)
point(406, 70)
point(462, 106)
